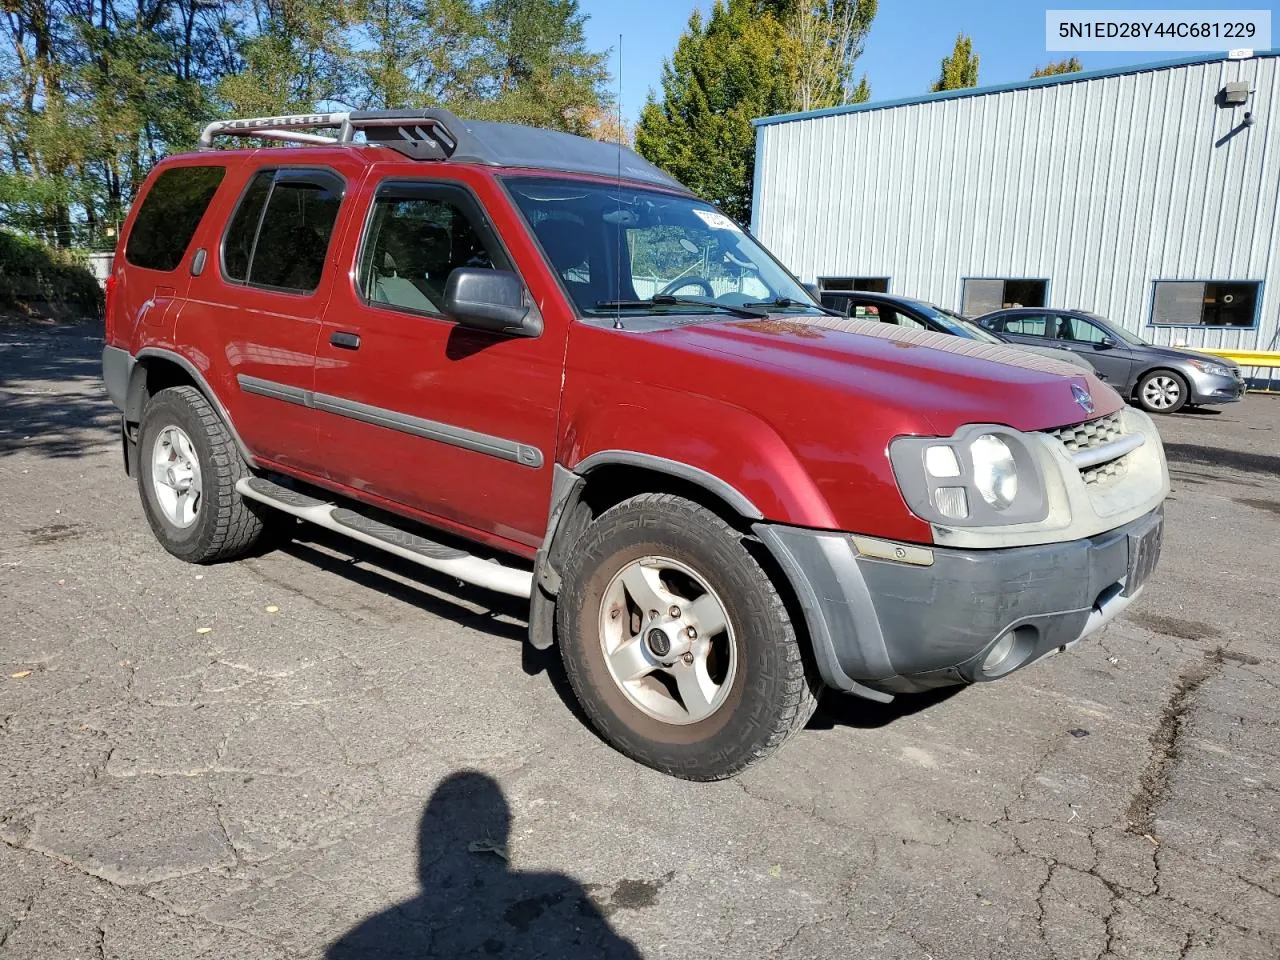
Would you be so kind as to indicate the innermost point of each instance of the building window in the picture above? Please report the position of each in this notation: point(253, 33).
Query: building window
point(869, 284)
point(983, 296)
point(1187, 303)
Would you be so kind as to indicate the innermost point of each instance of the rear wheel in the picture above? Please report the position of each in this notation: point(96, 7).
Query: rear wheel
point(1162, 391)
point(677, 643)
point(188, 466)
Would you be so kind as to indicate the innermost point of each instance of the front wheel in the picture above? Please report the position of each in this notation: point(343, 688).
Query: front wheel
point(677, 643)
point(1162, 391)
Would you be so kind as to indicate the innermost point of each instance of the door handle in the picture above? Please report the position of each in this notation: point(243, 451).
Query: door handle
point(347, 341)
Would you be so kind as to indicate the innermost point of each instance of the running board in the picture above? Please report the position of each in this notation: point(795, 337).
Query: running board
point(409, 546)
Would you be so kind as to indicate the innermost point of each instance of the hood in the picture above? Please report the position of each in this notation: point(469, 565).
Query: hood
point(1176, 353)
point(945, 381)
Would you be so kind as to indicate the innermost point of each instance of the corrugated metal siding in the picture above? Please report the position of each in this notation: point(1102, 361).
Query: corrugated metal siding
point(1100, 186)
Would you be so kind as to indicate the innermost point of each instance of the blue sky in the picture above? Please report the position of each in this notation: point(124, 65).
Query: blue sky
point(907, 41)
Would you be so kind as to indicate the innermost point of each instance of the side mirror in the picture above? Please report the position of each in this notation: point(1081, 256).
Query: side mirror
point(1106, 342)
point(490, 300)
point(813, 291)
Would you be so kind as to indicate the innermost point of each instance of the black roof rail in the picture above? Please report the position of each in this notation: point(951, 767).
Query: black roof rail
point(434, 133)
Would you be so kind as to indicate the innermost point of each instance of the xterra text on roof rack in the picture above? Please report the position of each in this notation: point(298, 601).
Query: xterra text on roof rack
point(538, 364)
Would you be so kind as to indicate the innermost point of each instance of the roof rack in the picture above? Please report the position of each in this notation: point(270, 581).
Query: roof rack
point(434, 133)
point(431, 134)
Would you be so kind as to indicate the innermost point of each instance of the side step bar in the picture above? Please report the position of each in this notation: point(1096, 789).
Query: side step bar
point(409, 546)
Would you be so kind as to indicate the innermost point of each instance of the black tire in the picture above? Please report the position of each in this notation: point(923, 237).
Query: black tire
point(225, 526)
point(1180, 383)
point(773, 693)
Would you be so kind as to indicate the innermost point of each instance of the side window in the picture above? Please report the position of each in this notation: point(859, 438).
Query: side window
point(237, 248)
point(416, 237)
point(279, 235)
point(170, 214)
point(1026, 325)
point(865, 311)
point(1079, 330)
point(836, 303)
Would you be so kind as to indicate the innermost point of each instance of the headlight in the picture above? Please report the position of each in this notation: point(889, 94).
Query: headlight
point(994, 472)
point(1212, 369)
point(984, 475)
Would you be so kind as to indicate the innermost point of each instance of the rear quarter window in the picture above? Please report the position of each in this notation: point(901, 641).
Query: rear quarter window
point(170, 213)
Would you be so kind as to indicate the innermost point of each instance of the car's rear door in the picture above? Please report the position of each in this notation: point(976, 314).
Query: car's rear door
point(456, 424)
point(255, 309)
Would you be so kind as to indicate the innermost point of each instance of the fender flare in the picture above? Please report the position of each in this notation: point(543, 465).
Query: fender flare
point(725, 491)
point(136, 396)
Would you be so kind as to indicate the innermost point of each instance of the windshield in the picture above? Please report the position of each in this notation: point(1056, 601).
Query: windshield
point(958, 325)
point(616, 248)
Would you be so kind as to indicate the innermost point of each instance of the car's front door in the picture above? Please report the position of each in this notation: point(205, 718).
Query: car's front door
point(1110, 357)
point(455, 423)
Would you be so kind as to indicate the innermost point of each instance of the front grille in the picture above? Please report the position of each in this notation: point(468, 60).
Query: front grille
point(1103, 473)
point(1094, 433)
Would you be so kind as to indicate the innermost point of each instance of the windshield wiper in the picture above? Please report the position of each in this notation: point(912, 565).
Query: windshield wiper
point(666, 300)
point(784, 302)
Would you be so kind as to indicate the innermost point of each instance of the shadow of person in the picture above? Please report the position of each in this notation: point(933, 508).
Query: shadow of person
point(472, 903)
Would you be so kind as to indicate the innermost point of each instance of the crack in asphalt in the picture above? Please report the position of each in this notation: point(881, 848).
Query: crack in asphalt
point(1153, 783)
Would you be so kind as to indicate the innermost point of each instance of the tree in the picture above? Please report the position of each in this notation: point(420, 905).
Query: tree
point(294, 57)
point(1070, 65)
point(411, 53)
point(538, 68)
point(828, 37)
point(725, 71)
point(94, 92)
point(959, 70)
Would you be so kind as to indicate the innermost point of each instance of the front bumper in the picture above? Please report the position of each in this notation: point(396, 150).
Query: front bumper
point(1206, 388)
point(882, 626)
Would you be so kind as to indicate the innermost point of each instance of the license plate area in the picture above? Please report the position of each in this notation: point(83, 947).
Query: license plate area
point(1144, 553)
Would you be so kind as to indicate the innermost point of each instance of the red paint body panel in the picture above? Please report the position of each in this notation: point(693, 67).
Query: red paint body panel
point(796, 417)
point(431, 368)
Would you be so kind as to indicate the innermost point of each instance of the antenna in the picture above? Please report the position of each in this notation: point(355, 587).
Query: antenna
point(617, 271)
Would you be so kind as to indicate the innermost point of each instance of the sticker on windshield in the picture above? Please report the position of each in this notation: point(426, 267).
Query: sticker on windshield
point(716, 221)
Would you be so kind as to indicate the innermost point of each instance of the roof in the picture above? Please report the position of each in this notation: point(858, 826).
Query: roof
point(1076, 77)
point(436, 135)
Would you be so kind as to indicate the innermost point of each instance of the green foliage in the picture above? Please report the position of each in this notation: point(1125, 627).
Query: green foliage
point(750, 58)
point(828, 37)
point(1053, 69)
point(723, 74)
point(959, 70)
point(94, 92)
point(32, 273)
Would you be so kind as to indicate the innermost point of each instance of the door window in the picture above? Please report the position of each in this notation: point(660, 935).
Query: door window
point(416, 237)
point(1026, 325)
point(170, 214)
point(279, 236)
point(1079, 330)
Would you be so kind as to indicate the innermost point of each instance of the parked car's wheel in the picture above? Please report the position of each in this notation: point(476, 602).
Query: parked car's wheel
point(677, 643)
point(188, 466)
point(1162, 391)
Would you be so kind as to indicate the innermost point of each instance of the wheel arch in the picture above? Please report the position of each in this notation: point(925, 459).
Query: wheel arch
point(156, 369)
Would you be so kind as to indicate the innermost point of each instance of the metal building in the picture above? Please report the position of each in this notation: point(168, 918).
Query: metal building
point(1149, 195)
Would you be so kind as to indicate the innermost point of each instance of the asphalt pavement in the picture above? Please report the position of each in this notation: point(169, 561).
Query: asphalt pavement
point(320, 752)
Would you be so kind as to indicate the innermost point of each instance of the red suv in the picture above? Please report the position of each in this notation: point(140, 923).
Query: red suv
point(538, 364)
